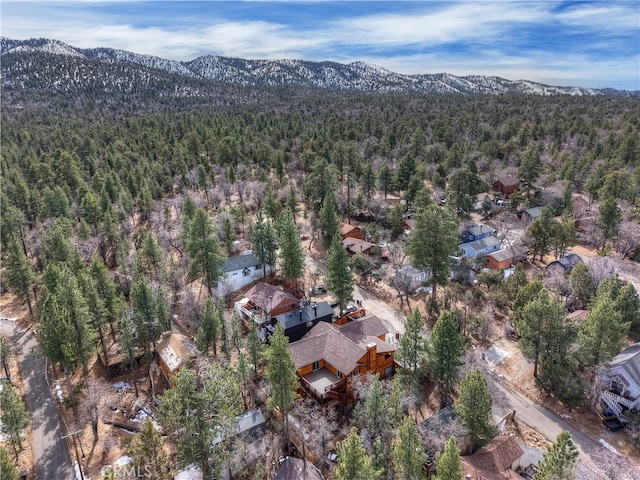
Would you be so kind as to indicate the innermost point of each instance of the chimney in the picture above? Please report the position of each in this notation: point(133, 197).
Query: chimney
point(300, 313)
point(315, 310)
point(372, 352)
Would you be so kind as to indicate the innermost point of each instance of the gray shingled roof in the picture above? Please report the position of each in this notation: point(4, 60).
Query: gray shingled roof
point(479, 228)
point(483, 243)
point(501, 255)
point(629, 359)
point(238, 263)
point(304, 315)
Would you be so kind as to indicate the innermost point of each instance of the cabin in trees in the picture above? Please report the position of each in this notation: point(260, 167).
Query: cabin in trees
point(239, 272)
point(476, 231)
point(506, 185)
point(500, 259)
point(530, 214)
point(350, 231)
point(174, 350)
point(484, 246)
point(297, 323)
point(330, 355)
point(620, 382)
point(565, 264)
point(354, 245)
point(495, 461)
point(263, 302)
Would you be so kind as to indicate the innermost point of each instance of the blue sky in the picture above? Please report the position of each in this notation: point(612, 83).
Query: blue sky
point(590, 44)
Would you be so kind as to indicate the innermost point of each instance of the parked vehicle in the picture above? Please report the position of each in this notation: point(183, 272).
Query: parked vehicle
point(613, 424)
point(318, 290)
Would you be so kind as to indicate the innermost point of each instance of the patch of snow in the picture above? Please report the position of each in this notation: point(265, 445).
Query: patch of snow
point(609, 447)
point(121, 387)
point(123, 460)
point(59, 392)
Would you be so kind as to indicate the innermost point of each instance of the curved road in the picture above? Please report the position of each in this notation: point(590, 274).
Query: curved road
point(49, 449)
point(541, 419)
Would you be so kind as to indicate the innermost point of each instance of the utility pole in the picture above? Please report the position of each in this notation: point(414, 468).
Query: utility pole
point(75, 446)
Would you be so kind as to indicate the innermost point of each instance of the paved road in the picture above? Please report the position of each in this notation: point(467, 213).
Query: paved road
point(541, 419)
point(49, 449)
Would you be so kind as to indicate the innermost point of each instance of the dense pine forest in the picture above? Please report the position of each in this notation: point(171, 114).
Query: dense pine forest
point(117, 207)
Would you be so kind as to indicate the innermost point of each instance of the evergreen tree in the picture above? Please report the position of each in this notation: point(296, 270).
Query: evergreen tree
point(66, 320)
point(7, 467)
point(560, 460)
point(328, 221)
point(145, 314)
point(543, 231)
point(147, 451)
point(106, 289)
point(13, 417)
point(291, 253)
point(198, 409)
point(564, 236)
point(339, 276)
point(5, 353)
point(473, 406)
point(254, 346)
point(281, 374)
point(353, 461)
point(445, 352)
point(530, 168)
point(603, 333)
point(368, 185)
point(609, 219)
point(408, 454)
point(628, 304)
point(582, 286)
point(20, 275)
point(127, 341)
point(385, 179)
point(202, 247)
point(433, 240)
point(264, 242)
point(534, 321)
point(448, 464)
point(412, 348)
point(209, 331)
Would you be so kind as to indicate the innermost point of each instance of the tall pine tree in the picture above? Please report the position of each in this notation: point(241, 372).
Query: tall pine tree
point(339, 276)
point(291, 253)
point(473, 406)
point(560, 460)
point(445, 352)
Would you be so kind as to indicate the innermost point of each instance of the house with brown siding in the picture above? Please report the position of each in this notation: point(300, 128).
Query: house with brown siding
point(350, 231)
point(174, 350)
point(329, 355)
point(500, 260)
point(506, 185)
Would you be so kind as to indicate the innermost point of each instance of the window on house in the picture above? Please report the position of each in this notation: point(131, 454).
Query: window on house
point(258, 267)
point(338, 373)
point(316, 366)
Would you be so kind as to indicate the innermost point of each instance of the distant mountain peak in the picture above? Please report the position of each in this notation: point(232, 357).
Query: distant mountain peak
point(355, 76)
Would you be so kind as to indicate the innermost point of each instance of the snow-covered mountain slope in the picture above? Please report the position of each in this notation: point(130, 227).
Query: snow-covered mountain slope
point(357, 76)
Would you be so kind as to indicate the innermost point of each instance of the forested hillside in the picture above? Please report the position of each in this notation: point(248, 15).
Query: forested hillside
point(119, 207)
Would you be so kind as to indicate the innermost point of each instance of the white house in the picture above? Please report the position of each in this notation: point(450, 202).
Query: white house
point(620, 383)
point(239, 272)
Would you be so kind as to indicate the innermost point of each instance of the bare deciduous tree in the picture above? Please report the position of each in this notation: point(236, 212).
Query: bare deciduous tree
point(94, 402)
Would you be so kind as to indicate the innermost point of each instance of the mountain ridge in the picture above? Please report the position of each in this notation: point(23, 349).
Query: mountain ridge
point(356, 76)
